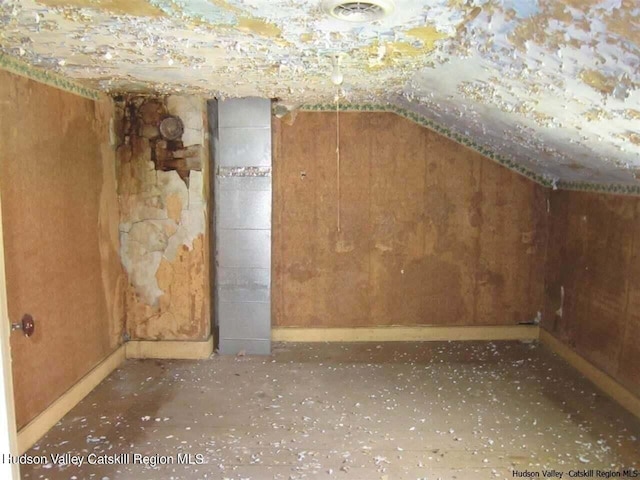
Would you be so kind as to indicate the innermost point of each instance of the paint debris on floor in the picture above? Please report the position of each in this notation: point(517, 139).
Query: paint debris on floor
point(395, 411)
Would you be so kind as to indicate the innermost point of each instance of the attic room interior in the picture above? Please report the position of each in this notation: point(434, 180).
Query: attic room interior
point(251, 239)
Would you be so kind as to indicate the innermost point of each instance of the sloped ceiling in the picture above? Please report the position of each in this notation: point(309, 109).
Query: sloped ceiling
point(552, 85)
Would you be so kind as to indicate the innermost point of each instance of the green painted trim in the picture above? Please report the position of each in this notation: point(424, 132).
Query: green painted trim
point(24, 69)
point(612, 188)
point(430, 124)
point(19, 67)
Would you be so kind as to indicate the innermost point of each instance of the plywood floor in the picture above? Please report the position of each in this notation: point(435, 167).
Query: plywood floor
point(473, 410)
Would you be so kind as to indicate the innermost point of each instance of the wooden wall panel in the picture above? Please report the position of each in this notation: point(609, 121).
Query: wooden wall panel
point(592, 256)
point(432, 233)
point(512, 234)
point(60, 214)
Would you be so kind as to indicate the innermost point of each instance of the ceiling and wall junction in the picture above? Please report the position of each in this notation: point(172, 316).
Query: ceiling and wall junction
point(550, 88)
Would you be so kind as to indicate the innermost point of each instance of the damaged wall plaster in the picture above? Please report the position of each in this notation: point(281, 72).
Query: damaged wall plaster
point(550, 84)
point(60, 220)
point(163, 209)
point(432, 233)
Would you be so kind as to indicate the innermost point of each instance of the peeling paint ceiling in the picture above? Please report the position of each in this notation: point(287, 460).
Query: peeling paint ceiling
point(553, 85)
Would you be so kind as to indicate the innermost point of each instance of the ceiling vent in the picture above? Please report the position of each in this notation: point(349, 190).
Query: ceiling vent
point(358, 12)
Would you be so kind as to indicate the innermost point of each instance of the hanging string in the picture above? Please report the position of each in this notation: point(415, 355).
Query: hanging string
point(338, 155)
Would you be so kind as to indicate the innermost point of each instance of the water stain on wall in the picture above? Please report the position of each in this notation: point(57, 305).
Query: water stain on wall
point(163, 219)
point(181, 312)
point(593, 259)
point(427, 236)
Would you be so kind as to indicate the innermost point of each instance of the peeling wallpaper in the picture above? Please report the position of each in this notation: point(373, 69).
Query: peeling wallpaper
point(551, 85)
point(163, 234)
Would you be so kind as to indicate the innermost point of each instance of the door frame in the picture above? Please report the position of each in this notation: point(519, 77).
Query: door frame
point(8, 427)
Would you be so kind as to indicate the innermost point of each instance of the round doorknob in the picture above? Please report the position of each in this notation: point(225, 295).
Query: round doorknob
point(27, 325)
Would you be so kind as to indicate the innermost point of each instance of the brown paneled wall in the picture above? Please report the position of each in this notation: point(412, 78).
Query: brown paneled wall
point(432, 233)
point(60, 221)
point(593, 258)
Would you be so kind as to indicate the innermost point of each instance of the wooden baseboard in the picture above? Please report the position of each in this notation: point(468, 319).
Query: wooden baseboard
point(168, 349)
point(404, 334)
point(603, 381)
point(36, 428)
